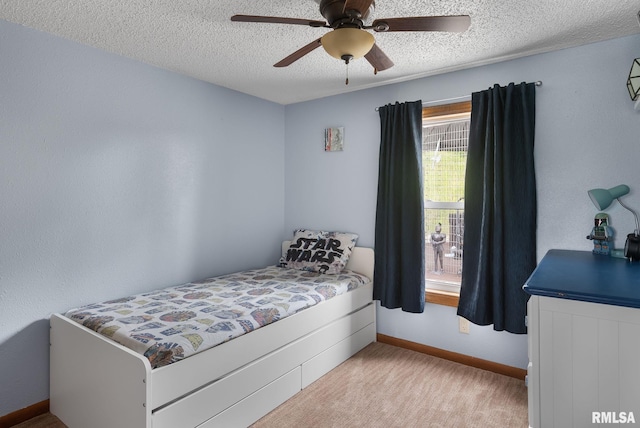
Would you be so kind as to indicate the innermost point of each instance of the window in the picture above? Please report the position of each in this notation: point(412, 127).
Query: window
point(445, 137)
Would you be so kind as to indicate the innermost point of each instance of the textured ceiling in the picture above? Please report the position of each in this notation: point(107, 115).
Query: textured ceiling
point(198, 39)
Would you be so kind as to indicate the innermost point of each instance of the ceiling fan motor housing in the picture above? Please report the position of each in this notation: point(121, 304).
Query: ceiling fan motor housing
point(336, 15)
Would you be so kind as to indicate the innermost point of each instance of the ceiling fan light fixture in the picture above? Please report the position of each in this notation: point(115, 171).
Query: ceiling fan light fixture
point(351, 42)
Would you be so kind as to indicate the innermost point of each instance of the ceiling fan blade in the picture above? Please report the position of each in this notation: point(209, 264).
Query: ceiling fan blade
point(378, 59)
point(361, 6)
point(278, 20)
point(454, 23)
point(298, 54)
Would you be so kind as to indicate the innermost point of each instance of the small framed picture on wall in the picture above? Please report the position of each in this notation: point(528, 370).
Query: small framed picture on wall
point(333, 139)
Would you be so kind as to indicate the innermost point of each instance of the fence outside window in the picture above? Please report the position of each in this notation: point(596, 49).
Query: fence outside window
point(444, 156)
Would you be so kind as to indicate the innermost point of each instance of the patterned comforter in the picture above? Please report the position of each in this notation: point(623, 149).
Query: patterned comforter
point(173, 323)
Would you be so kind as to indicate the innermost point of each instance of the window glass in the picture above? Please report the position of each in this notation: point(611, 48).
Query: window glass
point(445, 138)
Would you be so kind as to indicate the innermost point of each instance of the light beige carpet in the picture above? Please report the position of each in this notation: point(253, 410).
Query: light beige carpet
point(387, 386)
point(43, 421)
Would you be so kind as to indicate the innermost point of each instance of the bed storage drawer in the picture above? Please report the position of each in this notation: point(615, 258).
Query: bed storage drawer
point(257, 404)
point(214, 398)
point(326, 361)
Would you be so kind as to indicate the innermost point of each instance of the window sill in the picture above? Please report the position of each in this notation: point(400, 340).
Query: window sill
point(439, 297)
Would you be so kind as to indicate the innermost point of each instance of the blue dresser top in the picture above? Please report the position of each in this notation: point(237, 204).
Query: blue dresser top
point(582, 275)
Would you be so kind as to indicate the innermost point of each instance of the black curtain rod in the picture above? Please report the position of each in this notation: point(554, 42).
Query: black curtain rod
point(466, 97)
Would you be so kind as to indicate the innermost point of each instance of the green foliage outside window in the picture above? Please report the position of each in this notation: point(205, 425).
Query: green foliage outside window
point(443, 174)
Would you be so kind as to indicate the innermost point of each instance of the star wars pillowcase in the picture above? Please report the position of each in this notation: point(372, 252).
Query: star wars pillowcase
point(319, 251)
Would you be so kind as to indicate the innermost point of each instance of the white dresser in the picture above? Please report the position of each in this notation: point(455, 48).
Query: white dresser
point(584, 341)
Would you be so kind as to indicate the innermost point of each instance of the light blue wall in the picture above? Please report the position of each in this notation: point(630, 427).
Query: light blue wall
point(115, 178)
point(586, 136)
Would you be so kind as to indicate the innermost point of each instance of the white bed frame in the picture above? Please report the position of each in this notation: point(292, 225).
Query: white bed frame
point(95, 382)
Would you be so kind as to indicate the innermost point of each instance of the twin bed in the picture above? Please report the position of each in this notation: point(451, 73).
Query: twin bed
point(221, 352)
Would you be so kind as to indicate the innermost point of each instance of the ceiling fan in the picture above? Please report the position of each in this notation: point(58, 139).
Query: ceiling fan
point(349, 38)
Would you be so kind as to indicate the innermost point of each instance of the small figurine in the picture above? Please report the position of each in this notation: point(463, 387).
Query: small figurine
point(437, 241)
point(601, 234)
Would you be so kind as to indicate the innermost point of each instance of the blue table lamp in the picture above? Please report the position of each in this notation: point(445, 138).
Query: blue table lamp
point(602, 199)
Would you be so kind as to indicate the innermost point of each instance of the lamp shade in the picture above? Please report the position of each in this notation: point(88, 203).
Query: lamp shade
point(348, 41)
point(602, 198)
point(633, 82)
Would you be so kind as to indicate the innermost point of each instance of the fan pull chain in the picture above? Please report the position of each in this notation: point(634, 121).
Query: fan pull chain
point(346, 82)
